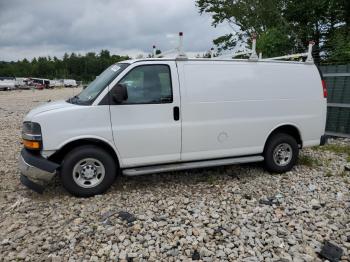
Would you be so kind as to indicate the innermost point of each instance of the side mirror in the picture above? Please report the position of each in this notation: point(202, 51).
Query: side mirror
point(119, 93)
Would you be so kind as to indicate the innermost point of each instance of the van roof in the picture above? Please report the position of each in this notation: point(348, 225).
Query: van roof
point(132, 61)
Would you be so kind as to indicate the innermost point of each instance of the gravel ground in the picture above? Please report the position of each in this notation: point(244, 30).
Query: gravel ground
point(236, 213)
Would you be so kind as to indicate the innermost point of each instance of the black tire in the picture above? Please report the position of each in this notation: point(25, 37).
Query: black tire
point(87, 152)
point(272, 144)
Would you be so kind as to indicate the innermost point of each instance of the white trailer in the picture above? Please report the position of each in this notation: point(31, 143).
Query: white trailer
point(56, 83)
point(21, 82)
point(70, 83)
point(7, 83)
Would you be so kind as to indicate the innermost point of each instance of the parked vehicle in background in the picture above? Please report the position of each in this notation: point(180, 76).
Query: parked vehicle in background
point(69, 83)
point(55, 83)
point(40, 83)
point(155, 115)
point(21, 82)
point(7, 83)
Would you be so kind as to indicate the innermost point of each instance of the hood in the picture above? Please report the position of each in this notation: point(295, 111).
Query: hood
point(47, 107)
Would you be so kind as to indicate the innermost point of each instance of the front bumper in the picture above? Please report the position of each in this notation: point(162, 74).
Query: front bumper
point(35, 170)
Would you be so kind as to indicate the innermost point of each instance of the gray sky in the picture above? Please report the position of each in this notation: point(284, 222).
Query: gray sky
point(30, 28)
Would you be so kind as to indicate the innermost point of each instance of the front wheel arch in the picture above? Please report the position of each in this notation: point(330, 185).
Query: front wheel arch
point(58, 156)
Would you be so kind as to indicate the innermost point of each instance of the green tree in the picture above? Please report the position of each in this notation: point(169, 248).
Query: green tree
point(244, 17)
point(79, 67)
point(274, 42)
point(338, 49)
point(283, 26)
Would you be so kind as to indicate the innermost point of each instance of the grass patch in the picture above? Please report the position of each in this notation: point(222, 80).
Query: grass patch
point(338, 149)
point(328, 174)
point(327, 162)
point(211, 179)
point(308, 161)
point(344, 173)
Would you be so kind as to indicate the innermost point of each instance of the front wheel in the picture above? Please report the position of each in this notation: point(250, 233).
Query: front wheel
point(87, 171)
point(281, 153)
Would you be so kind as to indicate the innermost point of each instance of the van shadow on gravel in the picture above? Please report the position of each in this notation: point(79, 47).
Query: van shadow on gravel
point(209, 177)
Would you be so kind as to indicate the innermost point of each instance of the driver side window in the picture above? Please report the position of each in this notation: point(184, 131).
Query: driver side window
point(148, 84)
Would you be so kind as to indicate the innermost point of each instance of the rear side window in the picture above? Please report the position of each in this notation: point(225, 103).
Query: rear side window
point(148, 84)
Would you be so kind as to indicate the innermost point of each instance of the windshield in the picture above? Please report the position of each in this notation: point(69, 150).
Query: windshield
point(90, 93)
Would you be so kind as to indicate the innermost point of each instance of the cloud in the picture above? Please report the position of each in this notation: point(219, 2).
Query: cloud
point(33, 28)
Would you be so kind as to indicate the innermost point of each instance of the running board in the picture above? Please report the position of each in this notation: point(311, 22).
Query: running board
point(190, 165)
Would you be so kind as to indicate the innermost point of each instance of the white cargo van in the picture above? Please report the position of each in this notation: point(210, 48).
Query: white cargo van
point(155, 115)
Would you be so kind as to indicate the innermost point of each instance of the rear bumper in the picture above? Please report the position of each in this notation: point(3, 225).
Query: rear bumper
point(323, 140)
point(35, 170)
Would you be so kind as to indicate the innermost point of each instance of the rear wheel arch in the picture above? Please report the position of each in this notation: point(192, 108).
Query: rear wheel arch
point(288, 129)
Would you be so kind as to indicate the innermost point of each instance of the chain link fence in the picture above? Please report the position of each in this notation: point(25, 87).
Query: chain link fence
point(338, 114)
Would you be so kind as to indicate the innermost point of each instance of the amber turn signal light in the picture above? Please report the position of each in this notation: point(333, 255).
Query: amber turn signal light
point(31, 144)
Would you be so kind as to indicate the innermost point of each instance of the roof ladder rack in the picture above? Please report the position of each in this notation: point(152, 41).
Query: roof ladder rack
point(254, 57)
point(212, 52)
point(309, 58)
point(179, 50)
point(308, 55)
point(252, 52)
point(154, 51)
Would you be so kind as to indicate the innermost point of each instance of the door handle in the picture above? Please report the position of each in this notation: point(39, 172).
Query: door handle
point(176, 112)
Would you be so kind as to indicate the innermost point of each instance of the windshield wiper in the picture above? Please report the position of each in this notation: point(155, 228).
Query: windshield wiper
point(77, 101)
point(73, 100)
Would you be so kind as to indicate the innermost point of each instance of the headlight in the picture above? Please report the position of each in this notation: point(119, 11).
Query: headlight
point(31, 134)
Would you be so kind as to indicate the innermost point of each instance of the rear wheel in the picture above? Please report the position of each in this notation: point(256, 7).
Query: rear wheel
point(88, 171)
point(281, 153)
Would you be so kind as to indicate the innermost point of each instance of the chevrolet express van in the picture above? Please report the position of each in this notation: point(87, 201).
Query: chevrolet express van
point(156, 115)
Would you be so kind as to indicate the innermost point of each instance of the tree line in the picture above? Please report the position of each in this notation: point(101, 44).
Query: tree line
point(284, 26)
point(79, 67)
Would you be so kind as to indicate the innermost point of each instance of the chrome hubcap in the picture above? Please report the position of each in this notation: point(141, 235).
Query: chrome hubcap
point(88, 172)
point(282, 155)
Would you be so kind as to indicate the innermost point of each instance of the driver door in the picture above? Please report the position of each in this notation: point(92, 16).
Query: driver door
point(146, 126)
